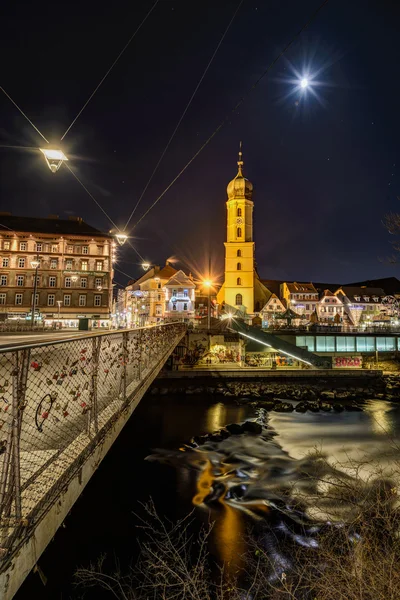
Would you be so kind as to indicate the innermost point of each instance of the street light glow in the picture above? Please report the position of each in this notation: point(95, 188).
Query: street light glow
point(207, 283)
point(35, 264)
point(121, 238)
point(304, 83)
point(146, 266)
point(54, 158)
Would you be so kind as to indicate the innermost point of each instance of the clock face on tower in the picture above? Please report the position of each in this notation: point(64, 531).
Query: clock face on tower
point(239, 221)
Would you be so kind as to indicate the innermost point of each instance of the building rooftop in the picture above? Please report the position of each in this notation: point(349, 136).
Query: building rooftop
point(361, 294)
point(53, 225)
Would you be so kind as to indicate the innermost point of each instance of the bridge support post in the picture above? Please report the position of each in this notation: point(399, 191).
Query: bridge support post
point(93, 414)
point(125, 361)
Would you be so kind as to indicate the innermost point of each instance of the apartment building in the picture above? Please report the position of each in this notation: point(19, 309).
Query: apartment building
point(72, 264)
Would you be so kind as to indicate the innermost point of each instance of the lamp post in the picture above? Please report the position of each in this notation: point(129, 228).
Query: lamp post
point(59, 302)
point(35, 263)
point(208, 284)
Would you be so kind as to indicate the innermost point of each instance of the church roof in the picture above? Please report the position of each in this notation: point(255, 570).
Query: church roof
point(240, 187)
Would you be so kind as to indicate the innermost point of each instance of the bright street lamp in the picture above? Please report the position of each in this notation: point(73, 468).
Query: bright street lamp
point(304, 83)
point(146, 266)
point(54, 158)
point(121, 238)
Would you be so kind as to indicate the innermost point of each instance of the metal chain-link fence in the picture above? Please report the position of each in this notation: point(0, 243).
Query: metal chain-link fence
point(57, 402)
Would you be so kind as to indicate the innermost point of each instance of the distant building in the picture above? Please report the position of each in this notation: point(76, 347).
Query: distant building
point(74, 276)
point(362, 304)
point(302, 298)
point(330, 308)
point(145, 297)
point(274, 306)
point(179, 298)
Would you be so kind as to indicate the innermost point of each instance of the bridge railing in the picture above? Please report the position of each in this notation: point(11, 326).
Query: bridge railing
point(57, 402)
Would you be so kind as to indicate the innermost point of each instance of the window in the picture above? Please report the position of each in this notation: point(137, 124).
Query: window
point(239, 253)
point(159, 286)
point(85, 249)
point(99, 265)
point(84, 265)
point(5, 262)
point(22, 246)
point(50, 299)
point(83, 282)
point(54, 263)
point(70, 249)
point(307, 307)
point(6, 245)
point(173, 293)
point(239, 232)
point(67, 299)
point(82, 299)
point(39, 247)
point(18, 299)
point(239, 212)
point(21, 263)
point(98, 282)
point(239, 299)
point(185, 306)
point(3, 299)
point(54, 247)
point(174, 307)
point(3, 279)
point(238, 281)
point(239, 267)
point(158, 297)
point(37, 280)
point(158, 310)
point(97, 300)
point(68, 264)
point(36, 299)
point(52, 281)
point(20, 280)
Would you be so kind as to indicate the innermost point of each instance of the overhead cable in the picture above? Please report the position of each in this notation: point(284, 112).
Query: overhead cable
point(110, 69)
point(184, 113)
point(23, 114)
point(234, 109)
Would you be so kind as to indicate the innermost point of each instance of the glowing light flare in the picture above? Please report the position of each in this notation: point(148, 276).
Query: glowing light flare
point(54, 158)
point(121, 238)
point(35, 264)
point(207, 283)
point(146, 266)
point(304, 83)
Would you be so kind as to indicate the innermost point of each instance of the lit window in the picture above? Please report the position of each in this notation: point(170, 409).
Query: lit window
point(54, 247)
point(82, 300)
point(5, 262)
point(6, 245)
point(85, 249)
point(84, 265)
point(53, 263)
point(239, 253)
point(238, 281)
point(18, 299)
point(52, 281)
point(83, 282)
point(67, 299)
point(97, 300)
point(99, 265)
point(21, 263)
point(20, 280)
point(68, 264)
point(3, 299)
point(51, 299)
point(39, 247)
point(22, 246)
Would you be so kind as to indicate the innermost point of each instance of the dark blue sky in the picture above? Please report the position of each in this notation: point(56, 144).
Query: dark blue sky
point(321, 168)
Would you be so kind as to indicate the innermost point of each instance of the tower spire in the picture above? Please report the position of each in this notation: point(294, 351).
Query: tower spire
point(240, 161)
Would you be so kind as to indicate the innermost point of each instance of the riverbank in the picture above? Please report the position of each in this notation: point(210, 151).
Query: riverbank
point(293, 385)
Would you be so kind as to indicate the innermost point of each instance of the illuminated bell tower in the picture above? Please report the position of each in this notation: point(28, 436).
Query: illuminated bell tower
point(239, 245)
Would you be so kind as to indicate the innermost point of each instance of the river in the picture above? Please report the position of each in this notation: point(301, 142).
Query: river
point(104, 519)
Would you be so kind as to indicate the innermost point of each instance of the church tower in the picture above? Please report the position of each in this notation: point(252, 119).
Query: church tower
point(238, 289)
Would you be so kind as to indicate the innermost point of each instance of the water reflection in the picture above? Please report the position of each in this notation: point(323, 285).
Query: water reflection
point(381, 414)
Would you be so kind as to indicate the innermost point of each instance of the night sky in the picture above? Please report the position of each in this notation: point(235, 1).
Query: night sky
point(325, 169)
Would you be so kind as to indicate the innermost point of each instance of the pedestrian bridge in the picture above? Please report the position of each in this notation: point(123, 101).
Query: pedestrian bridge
point(62, 405)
